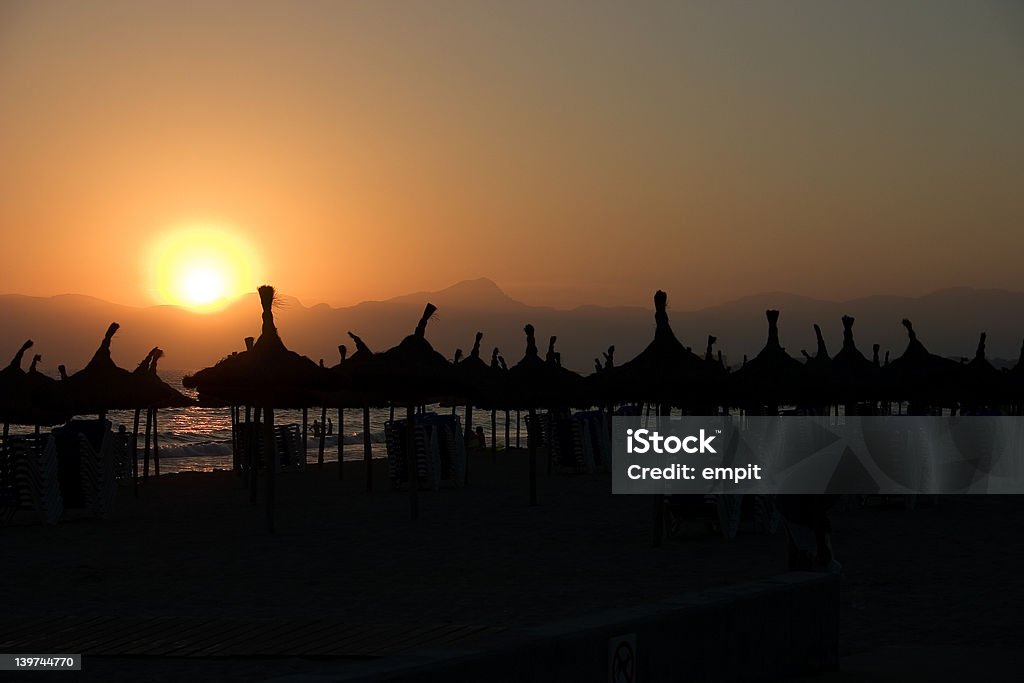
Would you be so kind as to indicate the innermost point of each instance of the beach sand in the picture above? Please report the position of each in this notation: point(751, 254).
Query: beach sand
point(192, 546)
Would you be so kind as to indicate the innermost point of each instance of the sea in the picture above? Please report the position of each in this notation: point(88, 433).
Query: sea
point(199, 439)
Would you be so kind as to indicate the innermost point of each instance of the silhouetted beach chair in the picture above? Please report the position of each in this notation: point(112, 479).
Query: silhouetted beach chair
point(565, 439)
point(596, 442)
point(439, 448)
point(99, 486)
point(288, 441)
point(37, 484)
point(448, 448)
point(85, 465)
point(395, 436)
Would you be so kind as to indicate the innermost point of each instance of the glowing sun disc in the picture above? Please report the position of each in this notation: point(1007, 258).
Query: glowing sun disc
point(201, 268)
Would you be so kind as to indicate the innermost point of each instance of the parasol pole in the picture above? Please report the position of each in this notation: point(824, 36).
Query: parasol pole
point(367, 452)
point(246, 439)
point(411, 461)
point(341, 442)
point(135, 452)
point(494, 435)
point(145, 451)
point(469, 423)
point(254, 459)
point(156, 447)
point(323, 436)
point(271, 451)
point(305, 431)
point(531, 443)
point(234, 439)
point(6, 449)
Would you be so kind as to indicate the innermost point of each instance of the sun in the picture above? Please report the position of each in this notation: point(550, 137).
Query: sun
point(201, 267)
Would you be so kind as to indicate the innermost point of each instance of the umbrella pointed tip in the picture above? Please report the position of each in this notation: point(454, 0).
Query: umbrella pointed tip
point(266, 293)
point(910, 328)
point(428, 311)
point(16, 361)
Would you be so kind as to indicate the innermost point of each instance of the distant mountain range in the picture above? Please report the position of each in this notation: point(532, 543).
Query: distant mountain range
point(67, 328)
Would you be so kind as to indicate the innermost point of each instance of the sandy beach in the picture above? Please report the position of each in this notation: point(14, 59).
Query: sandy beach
point(192, 546)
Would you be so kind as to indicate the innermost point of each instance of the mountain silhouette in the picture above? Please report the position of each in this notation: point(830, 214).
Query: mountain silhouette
point(65, 327)
point(480, 293)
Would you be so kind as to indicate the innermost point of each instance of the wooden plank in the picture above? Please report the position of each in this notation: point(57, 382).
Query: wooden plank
point(176, 635)
point(295, 643)
point(240, 633)
point(400, 641)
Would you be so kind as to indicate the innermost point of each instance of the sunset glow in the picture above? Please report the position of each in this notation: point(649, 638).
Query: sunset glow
point(201, 268)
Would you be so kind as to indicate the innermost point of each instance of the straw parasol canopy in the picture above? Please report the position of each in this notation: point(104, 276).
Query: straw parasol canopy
point(269, 375)
point(411, 373)
point(15, 402)
point(46, 396)
point(1015, 380)
point(344, 394)
point(164, 395)
point(772, 377)
point(476, 380)
point(984, 385)
point(665, 372)
point(101, 385)
point(853, 374)
point(922, 377)
point(821, 389)
point(534, 382)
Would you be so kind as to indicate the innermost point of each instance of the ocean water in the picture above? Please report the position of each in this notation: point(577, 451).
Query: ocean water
point(199, 439)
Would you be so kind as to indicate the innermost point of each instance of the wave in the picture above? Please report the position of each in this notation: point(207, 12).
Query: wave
point(223, 448)
point(197, 450)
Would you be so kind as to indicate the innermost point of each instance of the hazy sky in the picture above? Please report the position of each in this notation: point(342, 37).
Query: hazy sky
point(574, 152)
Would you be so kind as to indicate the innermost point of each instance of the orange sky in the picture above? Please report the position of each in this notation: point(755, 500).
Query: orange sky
point(573, 152)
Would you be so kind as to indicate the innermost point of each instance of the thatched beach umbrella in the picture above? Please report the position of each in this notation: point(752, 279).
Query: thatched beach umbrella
point(269, 376)
point(853, 375)
point(985, 387)
point(101, 385)
point(532, 383)
point(14, 405)
point(346, 397)
point(772, 377)
point(161, 395)
point(922, 378)
point(665, 373)
point(820, 387)
point(1015, 384)
point(480, 383)
point(47, 405)
point(410, 374)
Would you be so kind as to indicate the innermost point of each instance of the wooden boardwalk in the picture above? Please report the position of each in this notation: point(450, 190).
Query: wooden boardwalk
point(226, 637)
